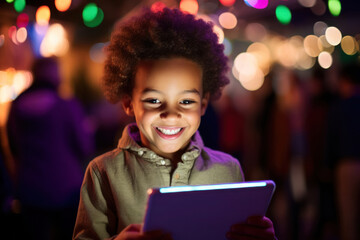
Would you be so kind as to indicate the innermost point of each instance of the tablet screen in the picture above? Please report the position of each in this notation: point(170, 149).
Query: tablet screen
point(205, 211)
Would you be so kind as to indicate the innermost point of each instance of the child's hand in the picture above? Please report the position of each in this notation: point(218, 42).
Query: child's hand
point(133, 232)
point(254, 228)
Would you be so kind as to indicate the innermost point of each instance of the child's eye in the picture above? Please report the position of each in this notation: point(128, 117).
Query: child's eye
point(152, 101)
point(187, 102)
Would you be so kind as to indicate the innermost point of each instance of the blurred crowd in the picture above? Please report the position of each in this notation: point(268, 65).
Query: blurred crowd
point(301, 130)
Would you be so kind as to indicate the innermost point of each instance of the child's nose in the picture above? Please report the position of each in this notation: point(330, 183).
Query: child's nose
point(170, 114)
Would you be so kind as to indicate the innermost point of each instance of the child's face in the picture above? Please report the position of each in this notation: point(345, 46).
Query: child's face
point(168, 102)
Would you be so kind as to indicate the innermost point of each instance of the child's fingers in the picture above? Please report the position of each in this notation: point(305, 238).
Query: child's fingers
point(133, 228)
point(252, 231)
point(158, 234)
point(232, 236)
point(260, 221)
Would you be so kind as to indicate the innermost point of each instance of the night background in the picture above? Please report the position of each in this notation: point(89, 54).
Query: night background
point(291, 112)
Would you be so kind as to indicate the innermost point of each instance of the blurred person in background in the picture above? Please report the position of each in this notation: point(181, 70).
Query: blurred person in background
point(51, 141)
point(321, 207)
point(343, 151)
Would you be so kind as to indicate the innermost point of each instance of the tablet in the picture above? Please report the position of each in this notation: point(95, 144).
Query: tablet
point(205, 211)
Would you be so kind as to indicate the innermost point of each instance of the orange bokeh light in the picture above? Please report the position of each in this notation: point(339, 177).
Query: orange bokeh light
point(190, 6)
point(43, 15)
point(62, 5)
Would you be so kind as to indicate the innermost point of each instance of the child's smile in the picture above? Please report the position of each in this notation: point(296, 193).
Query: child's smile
point(169, 132)
point(167, 101)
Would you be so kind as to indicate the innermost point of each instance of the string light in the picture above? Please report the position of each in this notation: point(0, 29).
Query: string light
point(43, 15)
point(227, 3)
point(62, 5)
point(92, 15)
point(19, 5)
point(228, 20)
point(283, 14)
point(325, 60)
point(157, 6)
point(190, 6)
point(333, 35)
point(258, 4)
point(311, 46)
point(21, 35)
point(334, 7)
point(349, 45)
point(22, 20)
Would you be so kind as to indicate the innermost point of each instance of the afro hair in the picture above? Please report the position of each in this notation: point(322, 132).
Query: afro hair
point(163, 34)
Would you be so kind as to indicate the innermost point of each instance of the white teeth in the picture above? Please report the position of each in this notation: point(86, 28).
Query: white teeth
point(169, 131)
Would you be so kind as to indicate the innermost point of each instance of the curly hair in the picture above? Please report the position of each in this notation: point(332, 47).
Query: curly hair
point(164, 34)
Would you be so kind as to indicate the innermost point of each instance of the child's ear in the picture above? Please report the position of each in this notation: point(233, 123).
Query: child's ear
point(204, 103)
point(126, 103)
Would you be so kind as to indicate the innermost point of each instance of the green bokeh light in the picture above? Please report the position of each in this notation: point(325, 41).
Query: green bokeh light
point(9, 1)
point(90, 12)
point(283, 14)
point(334, 7)
point(97, 20)
point(19, 5)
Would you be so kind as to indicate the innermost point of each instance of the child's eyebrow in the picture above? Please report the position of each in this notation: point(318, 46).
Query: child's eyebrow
point(146, 90)
point(191, 91)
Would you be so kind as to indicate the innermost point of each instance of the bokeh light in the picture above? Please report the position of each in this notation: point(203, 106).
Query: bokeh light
point(22, 20)
point(246, 64)
point(227, 3)
point(255, 32)
point(262, 55)
point(62, 5)
point(283, 14)
point(43, 15)
point(333, 35)
point(246, 70)
point(55, 42)
point(157, 6)
point(92, 15)
point(2, 39)
point(320, 28)
point(228, 20)
point(12, 83)
point(97, 53)
point(319, 8)
point(19, 5)
point(287, 54)
point(89, 12)
point(190, 6)
point(324, 45)
point(307, 3)
point(12, 34)
point(349, 45)
point(9, 1)
point(311, 45)
point(325, 60)
point(21, 35)
point(334, 7)
point(304, 62)
point(258, 4)
point(228, 47)
point(219, 32)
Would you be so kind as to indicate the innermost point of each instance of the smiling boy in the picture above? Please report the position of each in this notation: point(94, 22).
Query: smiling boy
point(164, 67)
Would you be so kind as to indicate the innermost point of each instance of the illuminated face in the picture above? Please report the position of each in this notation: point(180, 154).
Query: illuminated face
point(167, 102)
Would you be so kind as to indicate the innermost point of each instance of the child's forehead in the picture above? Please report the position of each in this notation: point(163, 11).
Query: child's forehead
point(168, 63)
point(168, 71)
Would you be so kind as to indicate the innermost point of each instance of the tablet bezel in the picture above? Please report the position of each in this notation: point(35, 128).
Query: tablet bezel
point(170, 208)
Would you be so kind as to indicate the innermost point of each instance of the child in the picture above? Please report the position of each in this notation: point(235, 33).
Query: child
point(163, 67)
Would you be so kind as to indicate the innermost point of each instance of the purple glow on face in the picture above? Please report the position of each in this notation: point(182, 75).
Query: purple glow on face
point(259, 4)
